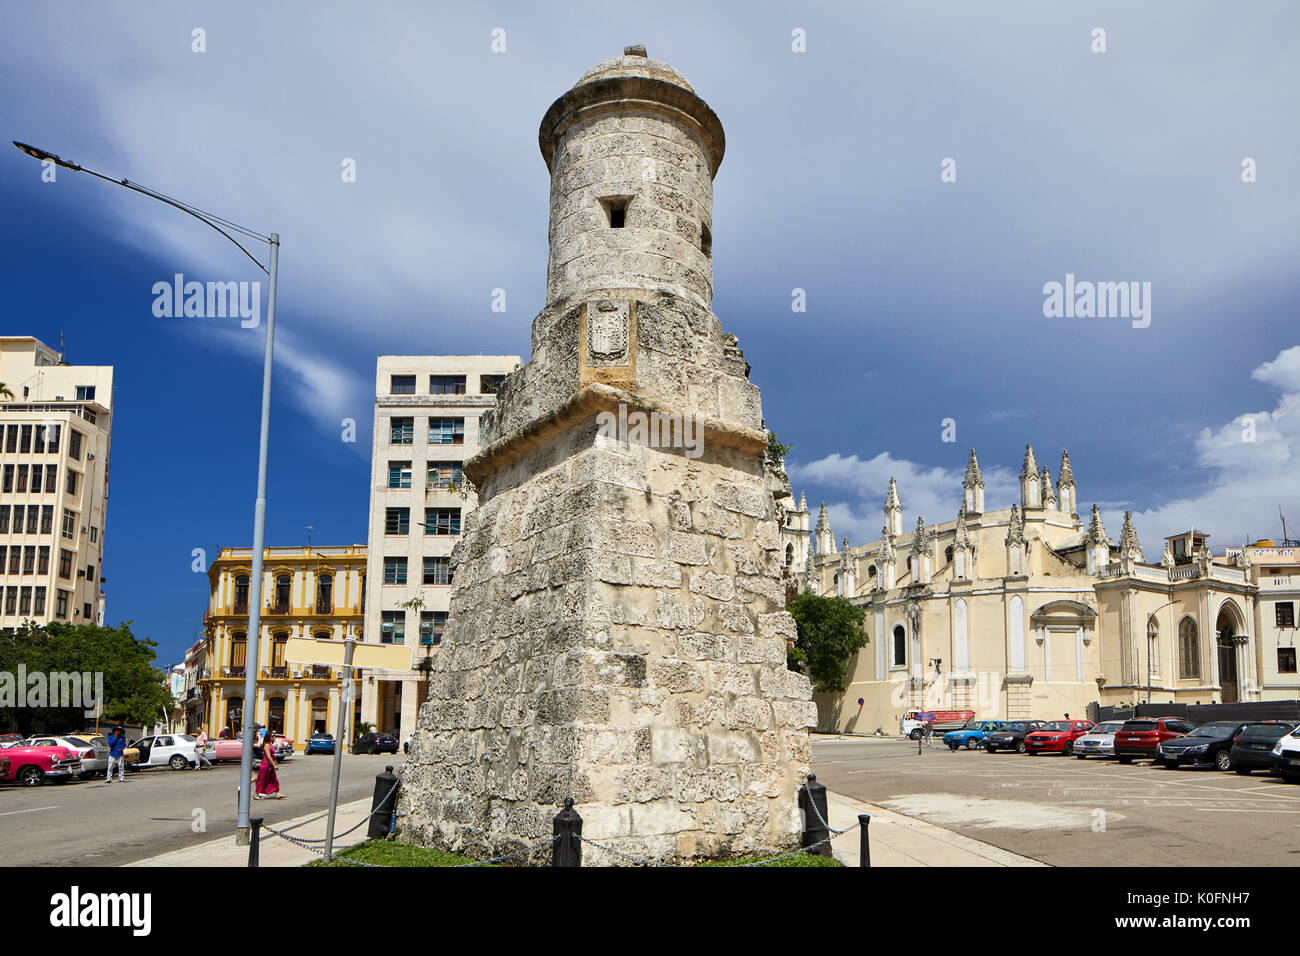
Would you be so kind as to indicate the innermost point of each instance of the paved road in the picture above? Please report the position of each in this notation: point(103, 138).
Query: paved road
point(1069, 812)
point(89, 823)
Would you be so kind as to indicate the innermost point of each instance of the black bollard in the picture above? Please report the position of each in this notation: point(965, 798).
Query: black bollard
point(812, 801)
point(254, 848)
point(567, 850)
point(864, 851)
point(383, 805)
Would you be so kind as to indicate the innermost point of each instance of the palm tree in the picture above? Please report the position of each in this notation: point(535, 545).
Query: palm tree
point(4, 391)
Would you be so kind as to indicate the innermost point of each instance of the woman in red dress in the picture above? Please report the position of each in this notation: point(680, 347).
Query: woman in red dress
point(268, 784)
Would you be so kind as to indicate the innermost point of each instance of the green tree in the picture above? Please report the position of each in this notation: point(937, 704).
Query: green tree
point(5, 392)
point(135, 692)
point(776, 452)
point(830, 633)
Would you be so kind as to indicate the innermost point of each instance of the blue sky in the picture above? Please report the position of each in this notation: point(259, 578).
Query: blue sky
point(924, 298)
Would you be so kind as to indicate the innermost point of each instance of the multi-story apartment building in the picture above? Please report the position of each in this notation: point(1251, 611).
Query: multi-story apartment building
point(427, 411)
point(307, 592)
point(1275, 571)
point(54, 446)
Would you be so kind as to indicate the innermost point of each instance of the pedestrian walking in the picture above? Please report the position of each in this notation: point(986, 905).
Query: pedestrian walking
point(268, 783)
point(200, 745)
point(116, 755)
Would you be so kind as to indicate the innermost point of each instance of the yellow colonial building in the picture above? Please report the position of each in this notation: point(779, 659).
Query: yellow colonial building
point(1031, 611)
point(306, 592)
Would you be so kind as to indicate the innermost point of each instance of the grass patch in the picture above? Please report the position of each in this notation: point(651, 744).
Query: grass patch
point(387, 853)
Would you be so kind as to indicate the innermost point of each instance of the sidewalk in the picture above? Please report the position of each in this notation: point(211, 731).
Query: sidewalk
point(272, 850)
point(898, 840)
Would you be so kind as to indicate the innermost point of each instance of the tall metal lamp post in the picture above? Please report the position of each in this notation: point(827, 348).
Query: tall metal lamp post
point(226, 227)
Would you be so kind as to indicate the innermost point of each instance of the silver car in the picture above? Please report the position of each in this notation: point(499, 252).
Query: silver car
point(92, 750)
point(1098, 742)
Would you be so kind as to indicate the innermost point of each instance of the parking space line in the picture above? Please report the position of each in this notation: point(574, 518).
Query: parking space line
point(32, 810)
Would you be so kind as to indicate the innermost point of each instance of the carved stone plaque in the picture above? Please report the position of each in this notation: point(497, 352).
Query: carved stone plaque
point(608, 321)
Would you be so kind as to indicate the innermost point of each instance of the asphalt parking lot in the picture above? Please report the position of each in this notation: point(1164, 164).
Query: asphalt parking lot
point(1068, 812)
point(93, 823)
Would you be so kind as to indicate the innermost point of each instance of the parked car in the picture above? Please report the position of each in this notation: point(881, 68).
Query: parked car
point(319, 743)
point(131, 753)
point(1286, 757)
point(373, 743)
point(1098, 742)
point(1207, 744)
point(1012, 737)
point(972, 734)
point(169, 750)
point(1140, 736)
point(93, 752)
point(1253, 748)
point(1056, 737)
point(912, 724)
point(32, 766)
point(232, 748)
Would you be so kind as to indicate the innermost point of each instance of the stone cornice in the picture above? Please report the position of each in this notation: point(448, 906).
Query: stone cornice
point(588, 401)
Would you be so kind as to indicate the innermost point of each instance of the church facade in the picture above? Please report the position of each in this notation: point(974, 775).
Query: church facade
point(1028, 611)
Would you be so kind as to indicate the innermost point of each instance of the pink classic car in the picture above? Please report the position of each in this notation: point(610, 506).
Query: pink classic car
point(31, 766)
point(231, 749)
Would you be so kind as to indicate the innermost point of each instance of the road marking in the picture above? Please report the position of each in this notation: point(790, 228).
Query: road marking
point(32, 810)
point(1240, 810)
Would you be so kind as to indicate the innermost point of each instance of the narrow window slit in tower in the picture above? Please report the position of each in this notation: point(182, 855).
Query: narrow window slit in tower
point(706, 240)
point(616, 210)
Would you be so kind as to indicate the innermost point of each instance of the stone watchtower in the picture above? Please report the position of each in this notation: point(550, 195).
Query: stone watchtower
point(617, 632)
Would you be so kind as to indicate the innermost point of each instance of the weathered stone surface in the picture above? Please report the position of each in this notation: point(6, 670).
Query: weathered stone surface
point(616, 632)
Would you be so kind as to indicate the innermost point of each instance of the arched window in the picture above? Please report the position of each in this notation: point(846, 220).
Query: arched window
point(899, 646)
point(241, 594)
point(234, 714)
point(275, 715)
point(320, 707)
point(871, 571)
point(947, 554)
point(325, 594)
point(1189, 650)
point(238, 653)
point(282, 593)
point(909, 565)
point(279, 642)
point(789, 555)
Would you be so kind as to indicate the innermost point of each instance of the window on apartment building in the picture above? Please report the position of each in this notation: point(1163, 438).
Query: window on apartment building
point(325, 594)
point(4, 519)
point(1189, 651)
point(394, 570)
point(21, 485)
point(437, 570)
point(11, 438)
point(8, 484)
point(74, 444)
point(29, 559)
point(392, 627)
point(86, 612)
point(90, 572)
point(432, 626)
point(442, 521)
point(38, 603)
point(70, 485)
point(15, 558)
point(402, 385)
point(20, 519)
point(446, 384)
point(397, 520)
point(47, 520)
point(88, 415)
point(65, 563)
point(11, 600)
point(283, 585)
point(38, 473)
point(32, 512)
point(490, 384)
point(399, 474)
point(446, 431)
point(69, 524)
point(1286, 660)
point(85, 393)
point(238, 649)
point(25, 600)
point(51, 478)
point(52, 439)
point(401, 431)
point(1284, 613)
point(61, 604)
point(4, 552)
point(38, 439)
point(94, 532)
point(43, 559)
point(25, 442)
point(443, 474)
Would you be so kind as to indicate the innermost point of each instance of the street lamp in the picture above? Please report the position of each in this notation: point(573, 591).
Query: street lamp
point(259, 508)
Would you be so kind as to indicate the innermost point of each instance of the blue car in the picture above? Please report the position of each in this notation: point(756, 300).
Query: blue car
point(319, 743)
point(972, 734)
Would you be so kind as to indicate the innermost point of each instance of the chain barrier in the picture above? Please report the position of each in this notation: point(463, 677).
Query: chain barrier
point(364, 819)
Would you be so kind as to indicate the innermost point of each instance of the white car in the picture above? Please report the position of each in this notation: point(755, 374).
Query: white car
point(169, 750)
point(1098, 742)
point(1286, 757)
point(93, 751)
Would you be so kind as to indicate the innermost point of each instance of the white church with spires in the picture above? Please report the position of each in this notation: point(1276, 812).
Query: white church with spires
point(1022, 611)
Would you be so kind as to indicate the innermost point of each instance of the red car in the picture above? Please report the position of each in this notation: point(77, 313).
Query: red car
point(1056, 737)
point(31, 766)
point(1139, 737)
